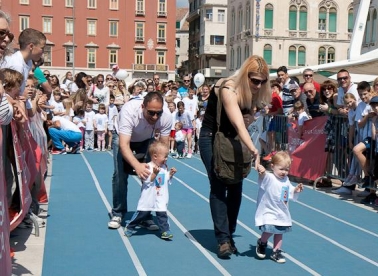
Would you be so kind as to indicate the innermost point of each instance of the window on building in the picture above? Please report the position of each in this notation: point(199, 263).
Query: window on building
point(326, 55)
point(248, 17)
point(374, 27)
point(24, 2)
point(69, 3)
point(113, 57)
point(350, 20)
point(246, 51)
point(303, 18)
point(24, 22)
point(47, 25)
point(233, 22)
point(92, 4)
point(162, 8)
point(91, 58)
point(238, 57)
point(202, 40)
point(240, 20)
point(216, 40)
point(47, 2)
point(293, 18)
point(113, 4)
point(367, 30)
point(47, 55)
point(69, 26)
point(292, 56)
point(113, 28)
point(139, 31)
point(177, 60)
point(327, 19)
point(160, 57)
point(140, 6)
point(178, 43)
point(209, 14)
point(69, 56)
point(268, 22)
point(232, 59)
point(178, 24)
point(139, 57)
point(161, 32)
point(268, 54)
point(301, 56)
point(91, 27)
point(221, 15)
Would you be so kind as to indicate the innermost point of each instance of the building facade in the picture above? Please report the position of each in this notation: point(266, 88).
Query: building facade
point(93, 35)
point(207, 38)
point(182, 41)
point(370, 41)
point(294, 33)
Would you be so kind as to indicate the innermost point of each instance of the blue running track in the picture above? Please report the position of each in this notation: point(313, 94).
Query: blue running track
point(330, 236)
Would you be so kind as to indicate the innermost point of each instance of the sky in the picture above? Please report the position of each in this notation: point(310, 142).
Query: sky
point(182, 3)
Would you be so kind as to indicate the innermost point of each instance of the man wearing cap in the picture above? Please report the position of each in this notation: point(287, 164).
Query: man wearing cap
point(308, 76)
point(296, 91)
point(287, 97)
point(313, 100)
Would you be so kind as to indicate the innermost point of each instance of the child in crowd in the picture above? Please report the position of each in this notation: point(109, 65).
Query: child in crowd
point(174, 92)
point(272, 212)
point(101, 126)
point(180, 140)
point(302, 116)
point(198, 128)
point(56, 102)
point(89, 127)
point(172, 109)
point(79, 120)
point(68, 111)
point(154, 195)
point(112, 116)
point(188, 124)
point(364, 114)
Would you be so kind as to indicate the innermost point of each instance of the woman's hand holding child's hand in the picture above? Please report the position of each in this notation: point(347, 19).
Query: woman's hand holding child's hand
point(261, 169)
point(156, 170)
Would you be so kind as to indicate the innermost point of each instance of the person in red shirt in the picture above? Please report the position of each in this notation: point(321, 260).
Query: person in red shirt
point(308, 76)
point(274, 109)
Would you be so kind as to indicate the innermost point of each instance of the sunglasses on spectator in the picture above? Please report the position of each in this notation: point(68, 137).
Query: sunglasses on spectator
point(308, 76)
point(156, 79)
point(5, 33)
point(186, 80)
point(258, 82)
point(153, 113)
point(100, 81)
point(308, 91)
point(342, 78)
point(109, 78)
point(47, 75)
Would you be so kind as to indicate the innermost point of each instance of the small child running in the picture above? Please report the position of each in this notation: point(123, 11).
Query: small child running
point(154, 192)
point(272, 212)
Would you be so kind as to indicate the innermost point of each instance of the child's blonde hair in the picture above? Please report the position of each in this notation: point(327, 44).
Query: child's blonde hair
point(298, 105)
point(156, 146)
point(11, 79)
point(281, 158)
point(101, 106)
point(349, 96)
point(179, 125)
point(67, 103)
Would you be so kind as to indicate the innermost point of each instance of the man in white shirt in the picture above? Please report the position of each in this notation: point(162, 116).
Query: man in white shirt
point(139, 120)
point(345, 86)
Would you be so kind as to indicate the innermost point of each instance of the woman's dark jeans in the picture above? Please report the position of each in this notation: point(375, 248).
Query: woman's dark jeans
point(225, 199)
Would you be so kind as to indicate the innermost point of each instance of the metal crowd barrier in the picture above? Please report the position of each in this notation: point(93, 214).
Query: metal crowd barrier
point(340, 155)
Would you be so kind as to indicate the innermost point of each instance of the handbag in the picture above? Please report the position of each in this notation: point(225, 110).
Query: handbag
point(232, 159)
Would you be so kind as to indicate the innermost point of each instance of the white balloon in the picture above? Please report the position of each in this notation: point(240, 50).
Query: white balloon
point(199, 79)
point(121, 74)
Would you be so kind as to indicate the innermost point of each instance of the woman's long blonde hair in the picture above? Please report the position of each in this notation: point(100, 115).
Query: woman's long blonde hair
point(246, 100)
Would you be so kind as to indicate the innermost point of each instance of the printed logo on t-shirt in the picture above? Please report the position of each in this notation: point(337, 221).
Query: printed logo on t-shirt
point(285, 194)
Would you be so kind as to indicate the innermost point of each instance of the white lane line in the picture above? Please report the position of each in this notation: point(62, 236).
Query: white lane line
point(305, 205)
point(208, 256)
point(126, 242)
point(300, 264)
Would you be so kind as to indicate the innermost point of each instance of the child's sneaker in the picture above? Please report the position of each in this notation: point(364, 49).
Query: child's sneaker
point(104, 149)
point(167, 235)
point(189, 155)
point(260, 249)
point(129, 232)
point(278, 257)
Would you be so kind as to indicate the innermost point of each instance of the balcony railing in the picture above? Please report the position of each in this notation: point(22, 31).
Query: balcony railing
point(150, 68)
point(162, 14)
point(161, 40)
point(139, 38)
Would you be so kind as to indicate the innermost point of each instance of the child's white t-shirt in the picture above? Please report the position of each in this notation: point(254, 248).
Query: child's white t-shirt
point(173, 119)
point(89, 117)
point(198, 126)
point(78, 121)
point(186, 119)
point(362, 110)
point(58, 106)
point(154, 194)
point(101, 121)
point(179, 136)
point(272, 200)
point(302, 117)
point(191, 105)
